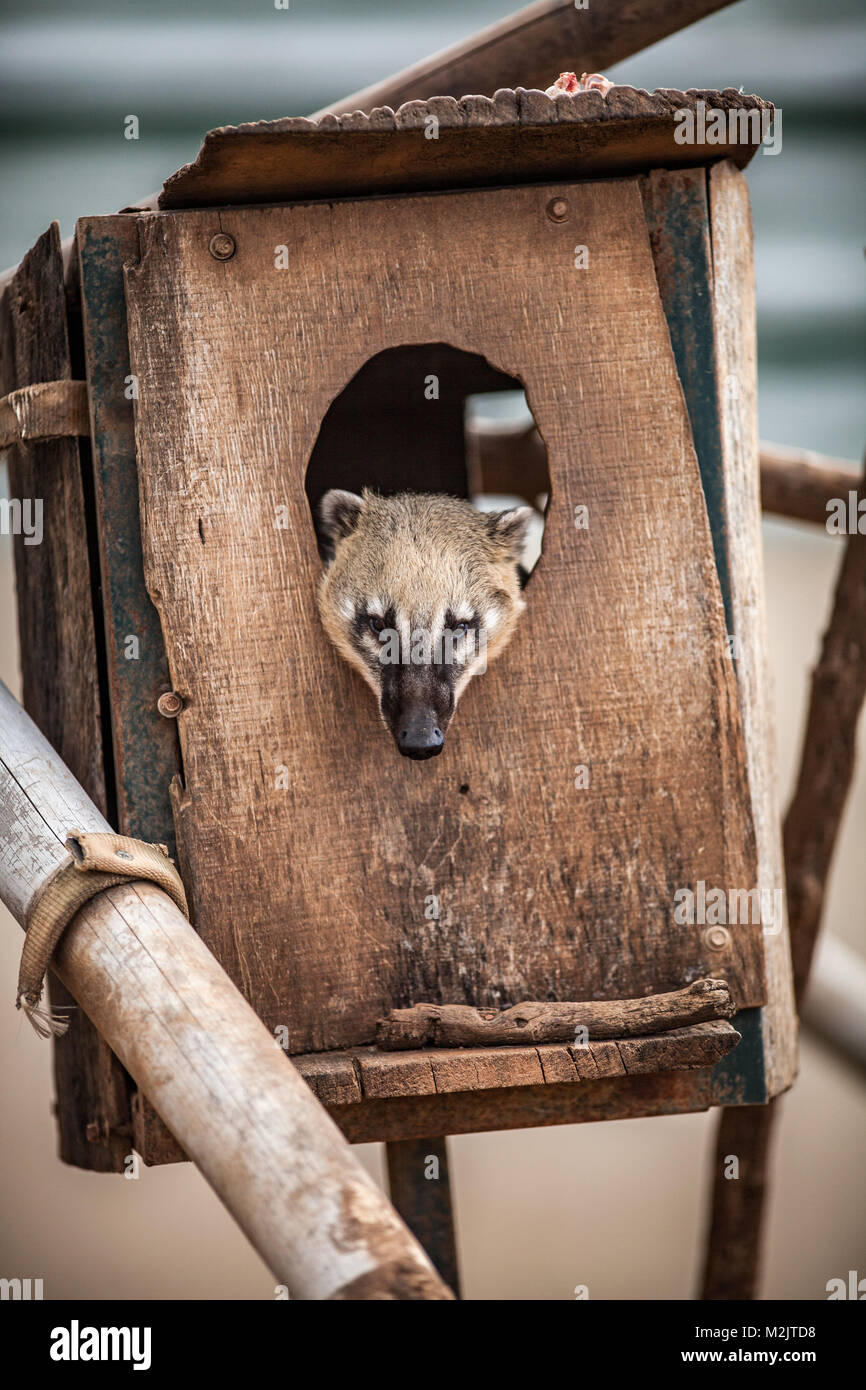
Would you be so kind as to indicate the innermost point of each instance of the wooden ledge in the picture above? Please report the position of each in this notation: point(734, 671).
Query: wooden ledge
point(364, 1074)
point(375, 1096)
point(516, 136)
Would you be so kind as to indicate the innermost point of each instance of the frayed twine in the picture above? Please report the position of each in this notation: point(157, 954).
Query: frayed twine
point(45, 1021)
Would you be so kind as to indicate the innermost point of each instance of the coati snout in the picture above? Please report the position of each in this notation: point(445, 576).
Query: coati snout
point(420, 591)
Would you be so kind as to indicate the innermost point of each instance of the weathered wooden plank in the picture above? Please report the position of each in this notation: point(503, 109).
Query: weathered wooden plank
point(144, 744)
point(677, 213)
point(525, 1107)
point(522, 137)
point(705, 279)
point(59, 664)
point(350, 1078)
point(55, 608)
point(676, 206)
point(532, 46)
point(736, 355)
point(333, 1077)
point(263, 691)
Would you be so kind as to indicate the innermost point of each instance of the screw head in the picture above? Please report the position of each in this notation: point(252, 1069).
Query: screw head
point(222, 246)
point(122, 854)
point(557, 209)
point(170, 704)
point(717, 938)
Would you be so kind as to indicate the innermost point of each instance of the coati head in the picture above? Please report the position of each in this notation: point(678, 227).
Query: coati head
point(420, 590)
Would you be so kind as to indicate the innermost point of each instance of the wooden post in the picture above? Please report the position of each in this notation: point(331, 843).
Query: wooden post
point(229, 1094)
point(811, 827)
point(420, 1187)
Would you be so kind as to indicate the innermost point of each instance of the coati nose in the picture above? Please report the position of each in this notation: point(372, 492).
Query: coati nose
point(419, 737)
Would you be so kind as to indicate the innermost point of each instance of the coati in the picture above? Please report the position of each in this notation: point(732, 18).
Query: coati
point(419, 591)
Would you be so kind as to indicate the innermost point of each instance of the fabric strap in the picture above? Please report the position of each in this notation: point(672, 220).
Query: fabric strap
point(97, 860)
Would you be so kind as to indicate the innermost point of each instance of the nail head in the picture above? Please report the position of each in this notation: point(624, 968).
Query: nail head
point(718, 938)
point(170, 704)
point(222, 246)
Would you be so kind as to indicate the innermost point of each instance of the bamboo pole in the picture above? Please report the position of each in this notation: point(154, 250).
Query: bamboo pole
point(225, 1089)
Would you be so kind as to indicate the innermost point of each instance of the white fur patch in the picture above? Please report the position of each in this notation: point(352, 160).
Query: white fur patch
point(493, 617)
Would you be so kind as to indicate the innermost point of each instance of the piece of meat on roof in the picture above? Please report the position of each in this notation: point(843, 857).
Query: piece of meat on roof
point(587, 82)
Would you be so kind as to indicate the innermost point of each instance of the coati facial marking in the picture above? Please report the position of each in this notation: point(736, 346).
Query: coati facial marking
point(420, 591)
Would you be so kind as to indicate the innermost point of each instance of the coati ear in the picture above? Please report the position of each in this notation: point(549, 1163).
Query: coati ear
point(509, 530)
point(339, 513)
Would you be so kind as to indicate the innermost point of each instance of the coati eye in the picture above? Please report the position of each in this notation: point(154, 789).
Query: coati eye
point(377, 624)
point(460, 625)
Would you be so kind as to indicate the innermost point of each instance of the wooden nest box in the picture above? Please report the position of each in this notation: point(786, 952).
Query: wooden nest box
point(267, 333)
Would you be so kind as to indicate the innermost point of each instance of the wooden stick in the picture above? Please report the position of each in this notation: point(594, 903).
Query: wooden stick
point(828, 758)
point(810, 832)
point(798, 483)
point(531, 48)
point(230, 1096)
point(460, 1025)
point(745, 1134)
point(507, 457)
point(420, 1188)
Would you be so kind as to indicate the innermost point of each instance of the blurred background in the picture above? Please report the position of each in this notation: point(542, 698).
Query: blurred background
point(619, 1207)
